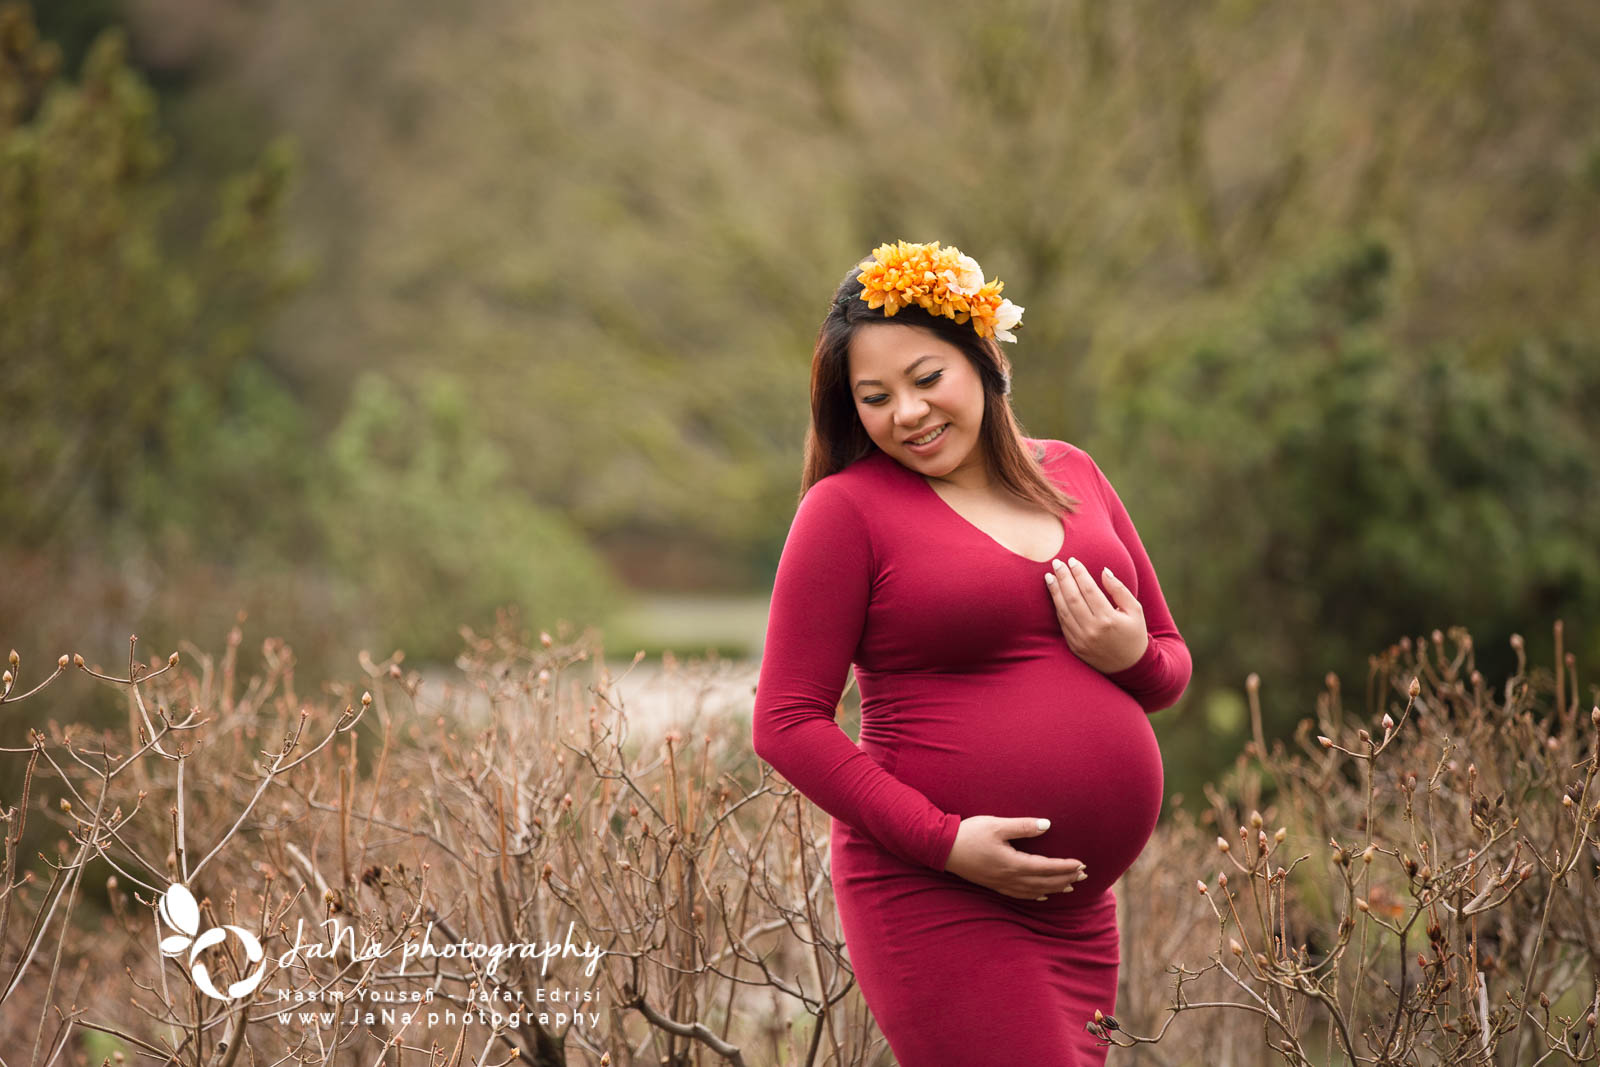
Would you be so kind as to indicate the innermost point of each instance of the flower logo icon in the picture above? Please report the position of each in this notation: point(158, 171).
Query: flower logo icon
point(179, 910)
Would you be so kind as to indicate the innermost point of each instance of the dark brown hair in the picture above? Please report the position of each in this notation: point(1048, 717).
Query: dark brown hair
point(836, 438)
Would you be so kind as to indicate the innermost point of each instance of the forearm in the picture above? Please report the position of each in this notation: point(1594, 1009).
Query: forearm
point(1158, 678)
point(821, 761)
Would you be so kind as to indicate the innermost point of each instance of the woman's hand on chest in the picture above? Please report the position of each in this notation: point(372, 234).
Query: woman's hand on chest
point(1107, 633)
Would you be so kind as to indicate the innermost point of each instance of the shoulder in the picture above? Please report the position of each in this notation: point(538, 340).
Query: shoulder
point(1071, 465)
point(847, 495)
point(1061, 452)
point(861, 480)
point(836, 514)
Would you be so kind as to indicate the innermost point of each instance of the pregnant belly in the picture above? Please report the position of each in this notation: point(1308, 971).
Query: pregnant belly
point(1050, 739)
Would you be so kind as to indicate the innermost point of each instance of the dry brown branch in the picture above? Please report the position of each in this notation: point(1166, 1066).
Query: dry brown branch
point(1459, 821)
point(503, 868)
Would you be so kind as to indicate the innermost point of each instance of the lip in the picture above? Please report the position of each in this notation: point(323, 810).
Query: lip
point(931, 445)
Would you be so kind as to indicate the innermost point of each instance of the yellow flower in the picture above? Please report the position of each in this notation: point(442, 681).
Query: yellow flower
point(985, 311)
point(941, 281)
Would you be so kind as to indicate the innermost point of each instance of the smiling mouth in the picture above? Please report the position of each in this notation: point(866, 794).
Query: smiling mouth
point(928, 437)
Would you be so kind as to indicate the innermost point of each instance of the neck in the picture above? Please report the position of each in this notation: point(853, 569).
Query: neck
point(971, 474)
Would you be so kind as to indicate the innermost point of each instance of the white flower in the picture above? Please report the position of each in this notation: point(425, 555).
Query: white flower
point(971, 279)
point(1006, 316)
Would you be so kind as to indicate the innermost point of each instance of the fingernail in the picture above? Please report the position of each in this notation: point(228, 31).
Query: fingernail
point(1057, 563)
point(1049, 579)
point(1073, 561)
point(1044, 824)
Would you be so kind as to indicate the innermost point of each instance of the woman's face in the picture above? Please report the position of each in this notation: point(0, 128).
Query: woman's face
point(908, 382)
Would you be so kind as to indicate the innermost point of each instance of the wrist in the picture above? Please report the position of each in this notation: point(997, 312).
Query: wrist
point(1146, 653)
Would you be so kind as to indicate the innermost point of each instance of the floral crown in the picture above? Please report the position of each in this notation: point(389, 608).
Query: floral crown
point(941, 281)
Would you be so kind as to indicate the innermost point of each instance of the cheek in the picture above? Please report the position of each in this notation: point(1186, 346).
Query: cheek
point(872, 418)
point(962, 402)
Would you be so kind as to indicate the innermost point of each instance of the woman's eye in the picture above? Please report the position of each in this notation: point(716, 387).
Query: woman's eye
point(878, 398)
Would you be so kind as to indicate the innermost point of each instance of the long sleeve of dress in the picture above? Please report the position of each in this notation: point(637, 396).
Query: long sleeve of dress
point(1160, 676)
point(819, 609)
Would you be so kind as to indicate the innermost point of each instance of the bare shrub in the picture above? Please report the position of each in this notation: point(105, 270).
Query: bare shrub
point(425, 873)
point(1416, 886)
point(582, 897)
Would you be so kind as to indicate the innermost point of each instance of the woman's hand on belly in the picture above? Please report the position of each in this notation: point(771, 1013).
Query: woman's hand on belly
point(982, 855)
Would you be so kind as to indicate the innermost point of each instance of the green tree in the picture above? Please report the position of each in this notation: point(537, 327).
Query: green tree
point(1306, 469)
point(155, 466)
point(428, 532)
point(109, 331)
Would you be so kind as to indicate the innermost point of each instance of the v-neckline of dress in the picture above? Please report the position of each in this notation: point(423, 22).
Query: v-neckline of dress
point(922, 479)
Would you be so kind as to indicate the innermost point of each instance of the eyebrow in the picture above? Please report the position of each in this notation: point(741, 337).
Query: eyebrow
point(908, 372)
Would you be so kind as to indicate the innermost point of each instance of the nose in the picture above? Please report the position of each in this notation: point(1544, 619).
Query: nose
point(910, 411)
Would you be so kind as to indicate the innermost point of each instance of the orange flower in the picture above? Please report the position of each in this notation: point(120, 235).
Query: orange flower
point(941, 281)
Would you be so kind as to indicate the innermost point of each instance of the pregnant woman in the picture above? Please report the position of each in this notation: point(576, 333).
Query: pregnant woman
point(1009, 639)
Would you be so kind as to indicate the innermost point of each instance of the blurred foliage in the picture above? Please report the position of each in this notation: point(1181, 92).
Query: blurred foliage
point(126, 356)
point(74, 25)
point(1348, 491)
point(575, 227)
point(147, 432)
point(421, 514)
point(1305, 279)
point(104, 325)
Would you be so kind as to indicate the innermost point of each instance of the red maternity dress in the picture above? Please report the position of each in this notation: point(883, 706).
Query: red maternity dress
point(971, 704)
